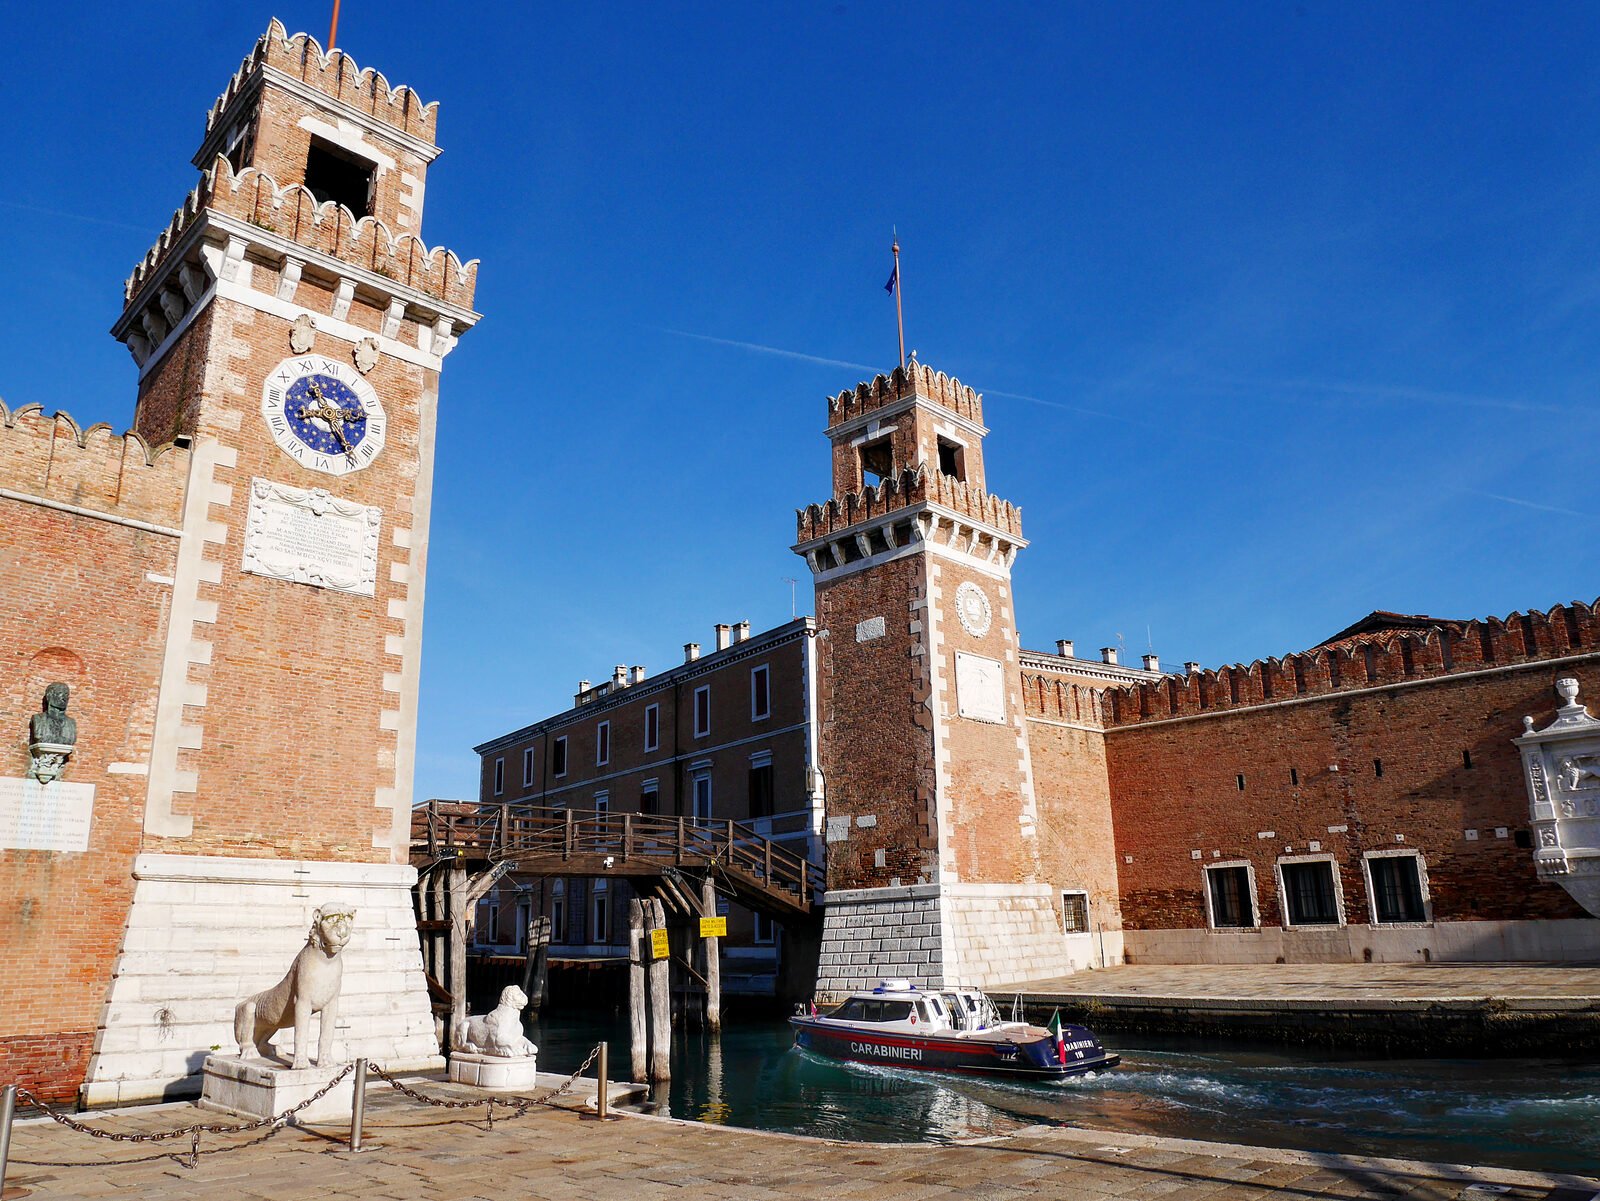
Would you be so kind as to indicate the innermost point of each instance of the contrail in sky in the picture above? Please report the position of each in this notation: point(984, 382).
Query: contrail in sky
point(63, 214)
point(1530, 504)
point(777, 350)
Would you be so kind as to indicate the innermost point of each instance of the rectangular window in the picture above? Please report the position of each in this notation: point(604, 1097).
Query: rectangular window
point(527, 767)
point(1308, 894)
point(1233, 905)
point(649, 797)
point(558, 915)
point(702, 798)
point(499, 776)
point(602, 802)
point(1396, 888)
point(333, 173)
point(761, 789)
point(760, 694)
point(652, 727)
point(766, 930)
point(1075, 912)
point(600, 913)
point(558, 756)
point(602, 744)
point(702, 711)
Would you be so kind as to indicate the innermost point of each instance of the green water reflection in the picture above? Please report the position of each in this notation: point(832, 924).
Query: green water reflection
point(1527, 1113)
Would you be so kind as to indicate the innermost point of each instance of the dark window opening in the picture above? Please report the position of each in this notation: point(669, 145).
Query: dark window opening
point(1240, 778)
point(558, 757)
point(1232, 907)
point(1523, 838)
point(333, 174)
point(1294, 777)
point(1466, 759)
point(877, 462)
point(952, 459)
point(1308, 890)
point(650, 801)
point(1377, 768)
point(240, 147)
point(1397, 888)
point(761, 791)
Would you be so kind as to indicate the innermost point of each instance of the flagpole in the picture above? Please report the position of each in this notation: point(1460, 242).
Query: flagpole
point(333, 26)
point(899, 312)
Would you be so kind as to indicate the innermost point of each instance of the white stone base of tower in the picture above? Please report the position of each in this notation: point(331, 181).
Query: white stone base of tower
point(204, 932)
point(943, 935)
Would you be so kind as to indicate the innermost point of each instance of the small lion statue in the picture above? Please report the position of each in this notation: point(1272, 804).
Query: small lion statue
point(500, 1033)
point(312, 986)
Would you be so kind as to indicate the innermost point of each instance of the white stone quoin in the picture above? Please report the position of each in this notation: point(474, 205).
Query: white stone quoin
point(204, 931)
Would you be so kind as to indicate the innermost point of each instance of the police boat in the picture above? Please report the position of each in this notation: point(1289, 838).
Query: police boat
point(900, 1025)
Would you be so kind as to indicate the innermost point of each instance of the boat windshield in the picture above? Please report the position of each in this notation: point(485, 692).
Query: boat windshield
point(864, 1009)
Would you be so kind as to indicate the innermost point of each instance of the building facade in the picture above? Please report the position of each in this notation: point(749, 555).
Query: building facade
point(232, 595)
point(725, 735)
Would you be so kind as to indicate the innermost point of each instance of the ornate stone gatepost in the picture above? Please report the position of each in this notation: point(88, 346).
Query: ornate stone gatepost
point(1561, 764)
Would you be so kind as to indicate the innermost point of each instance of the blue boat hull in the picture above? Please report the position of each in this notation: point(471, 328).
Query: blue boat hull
point(1032, 1060)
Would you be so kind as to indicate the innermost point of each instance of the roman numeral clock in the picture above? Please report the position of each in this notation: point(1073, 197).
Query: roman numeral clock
point(323, 414)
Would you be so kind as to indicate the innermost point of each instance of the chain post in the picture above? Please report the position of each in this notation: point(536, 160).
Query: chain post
point(600, 1073)
point(358, 1105)
point(8, 1109)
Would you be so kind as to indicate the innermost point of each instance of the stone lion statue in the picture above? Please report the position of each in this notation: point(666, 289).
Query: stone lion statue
point(500, 1033)
point(312, 986)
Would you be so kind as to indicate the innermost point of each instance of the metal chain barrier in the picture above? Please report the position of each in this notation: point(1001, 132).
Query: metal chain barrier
point(518, 1105)
point(192, 1156)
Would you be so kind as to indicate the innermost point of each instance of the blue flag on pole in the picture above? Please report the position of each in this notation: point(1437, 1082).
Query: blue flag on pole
point(894, 280)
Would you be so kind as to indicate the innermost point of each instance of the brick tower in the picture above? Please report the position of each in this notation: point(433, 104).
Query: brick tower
point(289, 328)
point(933, 863)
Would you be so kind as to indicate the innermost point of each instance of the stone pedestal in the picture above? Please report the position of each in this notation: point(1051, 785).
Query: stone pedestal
point(494, 1071)
point(257, 1088)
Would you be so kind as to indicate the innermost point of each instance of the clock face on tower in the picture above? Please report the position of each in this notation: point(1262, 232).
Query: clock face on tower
point(323, 414)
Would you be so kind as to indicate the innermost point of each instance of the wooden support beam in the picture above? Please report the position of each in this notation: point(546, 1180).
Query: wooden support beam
point(638, 1043)
point(713, 959)
point(456, 892)
point(660, 1003)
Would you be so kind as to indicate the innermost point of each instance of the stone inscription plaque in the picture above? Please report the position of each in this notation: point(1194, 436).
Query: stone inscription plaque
point(45, 817)
point(980, 688)
point(311, 537)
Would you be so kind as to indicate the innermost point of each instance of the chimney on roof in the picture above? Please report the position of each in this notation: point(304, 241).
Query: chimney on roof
point(1152, 662)
point(619, 676)
point(691, 651)
point(741, 632)
point(724, 632)
point(1064, 647)
point(1108, 654)
point(1191, 669)
point(638, 674)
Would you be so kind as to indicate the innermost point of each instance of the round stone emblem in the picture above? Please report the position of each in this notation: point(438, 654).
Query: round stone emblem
point(972, 607)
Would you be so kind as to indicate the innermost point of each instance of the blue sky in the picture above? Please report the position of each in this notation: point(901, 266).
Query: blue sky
point(1282, 313)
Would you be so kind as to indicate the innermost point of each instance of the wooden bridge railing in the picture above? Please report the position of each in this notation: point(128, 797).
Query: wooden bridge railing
point(635, 843)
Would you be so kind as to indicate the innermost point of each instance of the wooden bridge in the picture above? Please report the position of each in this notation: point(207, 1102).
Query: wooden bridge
point(744, 864)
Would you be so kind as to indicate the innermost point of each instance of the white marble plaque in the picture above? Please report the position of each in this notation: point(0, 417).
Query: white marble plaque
point(311, 537)
point(45, 817)
point(980, 688)
point(869, 629)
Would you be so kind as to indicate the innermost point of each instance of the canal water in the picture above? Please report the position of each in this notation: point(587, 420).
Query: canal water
point(1517, 1113)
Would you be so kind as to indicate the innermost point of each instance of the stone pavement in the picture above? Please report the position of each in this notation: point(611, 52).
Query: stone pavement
point(425, 1154)
point(1339, 984)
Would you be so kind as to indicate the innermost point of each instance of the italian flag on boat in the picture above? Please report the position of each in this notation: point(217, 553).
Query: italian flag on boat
point(1061, 1039)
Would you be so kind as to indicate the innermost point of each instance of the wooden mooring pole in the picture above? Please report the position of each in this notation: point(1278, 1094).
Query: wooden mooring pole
point(713, 960)
point(660, 1002)
point(637, 1044)
point(457, 895)
point(536, 975)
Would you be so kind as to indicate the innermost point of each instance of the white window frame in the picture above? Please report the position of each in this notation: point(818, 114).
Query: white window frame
point(602, 744)
point(652, 785)
point(566, 757)
point(1283, 892)
point(703, 691)
point(499, 776)
point(602, 801)
point(1255, 897)
point(1422, 884)
point(1088, 921)
point(652, 727)
point(558, 911)
point(766, 676)
point(527, 767)
point(701, 777)
point(761, 938)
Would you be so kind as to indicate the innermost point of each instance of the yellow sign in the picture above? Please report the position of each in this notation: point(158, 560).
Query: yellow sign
point(658, 944)
point(713, 927)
